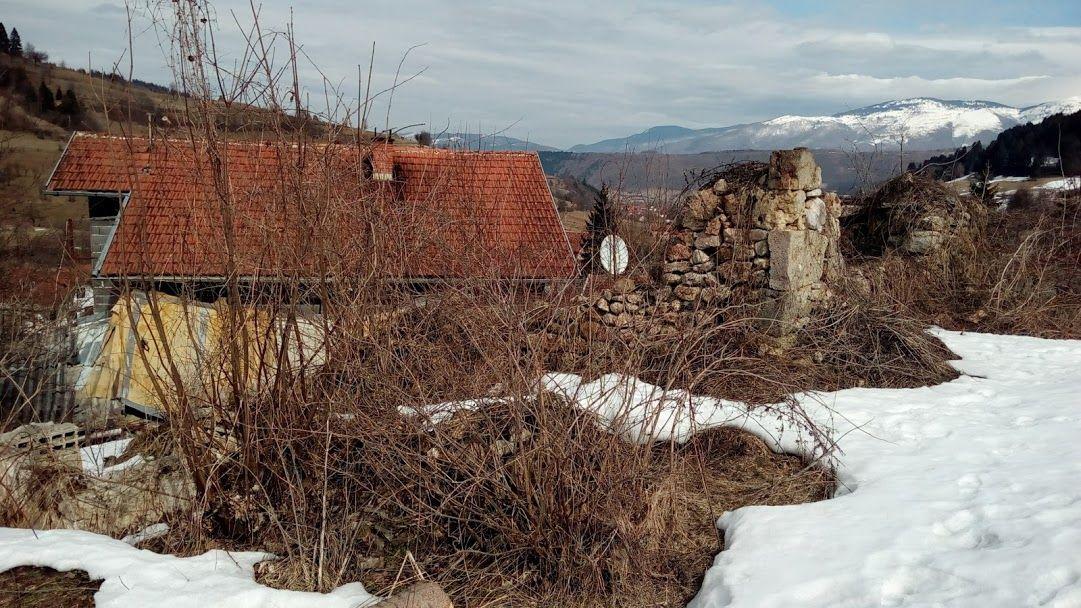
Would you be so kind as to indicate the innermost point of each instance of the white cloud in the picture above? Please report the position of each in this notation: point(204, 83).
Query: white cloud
point(574, 72)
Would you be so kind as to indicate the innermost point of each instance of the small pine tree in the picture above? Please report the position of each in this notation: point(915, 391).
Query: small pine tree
point(5, 43)
point(15, 44)
point(601, 223)
point(29, 93)
point(46, 101)
point(69, 104)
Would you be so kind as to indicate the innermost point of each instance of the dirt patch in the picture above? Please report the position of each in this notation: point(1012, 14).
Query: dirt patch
point(34, 587)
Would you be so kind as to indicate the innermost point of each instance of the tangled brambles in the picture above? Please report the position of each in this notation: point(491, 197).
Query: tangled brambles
point(531, 499)
point(1019, 273)
point(914, 214)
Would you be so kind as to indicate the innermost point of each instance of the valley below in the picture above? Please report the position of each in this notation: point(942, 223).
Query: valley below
point(842, 171)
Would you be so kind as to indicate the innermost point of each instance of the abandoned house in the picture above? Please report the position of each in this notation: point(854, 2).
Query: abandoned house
point(159, 211)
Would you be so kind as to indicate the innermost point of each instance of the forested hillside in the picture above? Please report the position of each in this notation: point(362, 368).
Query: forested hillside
point(1050, 147)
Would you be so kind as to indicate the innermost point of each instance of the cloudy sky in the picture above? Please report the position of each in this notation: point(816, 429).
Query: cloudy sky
point(563, 72)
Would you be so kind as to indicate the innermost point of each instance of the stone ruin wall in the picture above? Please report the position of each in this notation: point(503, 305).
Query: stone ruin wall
point(773, 242)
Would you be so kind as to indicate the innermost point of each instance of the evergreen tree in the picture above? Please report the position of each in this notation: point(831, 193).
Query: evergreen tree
point(46, 101)
point(59, 95)
point(601, 223)
point(5, 43)
point(28, 92)
point(15, 44)
point(69, 104)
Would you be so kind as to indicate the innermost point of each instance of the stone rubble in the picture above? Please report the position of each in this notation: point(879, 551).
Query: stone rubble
point(774, 242)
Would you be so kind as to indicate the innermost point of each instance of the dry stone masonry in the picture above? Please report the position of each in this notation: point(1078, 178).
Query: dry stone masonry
point(772, 239)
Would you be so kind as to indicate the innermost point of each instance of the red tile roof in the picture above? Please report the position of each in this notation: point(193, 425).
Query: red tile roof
point(442, 213)
point(577, 240)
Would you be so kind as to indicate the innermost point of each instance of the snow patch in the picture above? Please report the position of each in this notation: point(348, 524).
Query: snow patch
point(1069, 183)
point(134, 578)
point(641, 412)
point(967, 494)
point(94, 457)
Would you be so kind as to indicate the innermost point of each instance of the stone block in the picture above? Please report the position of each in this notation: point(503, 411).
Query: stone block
point(743, 252)
point(732, 205)
point(921, 242)
point(735, 272)
point(707, 242)
point(779, 208)
point(701, 206)
point(793, 170)
point(677, 252)
point(815, 213)
point(687, 293)
point(796, 258)
point(713, 227)
point(623, 285)
point(693, 278)
point(790, 310)
point(699, 256)
point(677, 266)
point(418, 595)
point(710, 295)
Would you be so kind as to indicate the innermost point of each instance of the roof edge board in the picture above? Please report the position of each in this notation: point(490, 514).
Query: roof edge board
point(67, 146)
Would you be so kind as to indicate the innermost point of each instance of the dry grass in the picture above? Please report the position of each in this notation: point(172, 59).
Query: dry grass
point(531, 503)
point(33, 587)
point(1019, 274)
point(522, 498)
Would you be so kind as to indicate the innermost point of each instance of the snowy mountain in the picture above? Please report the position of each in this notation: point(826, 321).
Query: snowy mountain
point(920, 124)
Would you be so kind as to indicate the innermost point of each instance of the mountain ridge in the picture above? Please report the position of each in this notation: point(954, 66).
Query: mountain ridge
point(918, 123)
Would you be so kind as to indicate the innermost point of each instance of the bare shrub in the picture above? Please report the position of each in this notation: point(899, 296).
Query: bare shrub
point(906, 204)
point(1018, 274)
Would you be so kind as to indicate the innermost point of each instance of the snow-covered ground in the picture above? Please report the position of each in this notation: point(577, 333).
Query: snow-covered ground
point(1069, 183)
point(134, 578)
point(962, 494)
